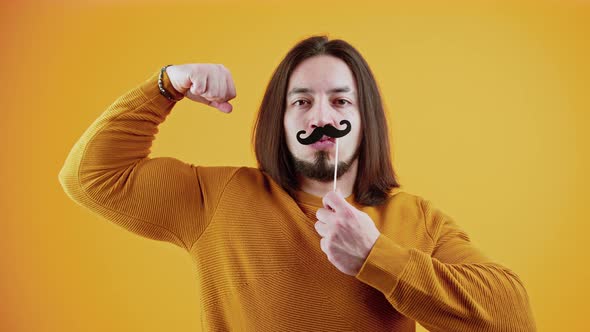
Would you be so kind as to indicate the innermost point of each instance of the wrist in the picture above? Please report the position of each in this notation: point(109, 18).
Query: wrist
point(166, 87)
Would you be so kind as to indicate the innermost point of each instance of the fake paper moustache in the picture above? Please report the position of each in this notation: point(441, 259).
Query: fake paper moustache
point(319, 132)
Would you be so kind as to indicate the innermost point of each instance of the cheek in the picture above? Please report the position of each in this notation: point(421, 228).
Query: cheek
point(292, 126)
point(358, 132)
point(354, 140)
point(355, 132)
point(290, 132)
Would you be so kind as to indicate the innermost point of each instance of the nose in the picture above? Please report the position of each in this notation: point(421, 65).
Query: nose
point(321, 114)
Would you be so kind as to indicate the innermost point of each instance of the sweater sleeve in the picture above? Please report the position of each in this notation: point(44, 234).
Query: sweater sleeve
point(455, 289)
point(109, 172)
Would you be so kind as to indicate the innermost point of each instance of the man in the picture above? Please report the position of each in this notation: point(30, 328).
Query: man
point(276, 248)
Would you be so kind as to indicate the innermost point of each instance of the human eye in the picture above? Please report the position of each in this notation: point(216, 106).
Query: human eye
point(342, 102)
point(295, 103)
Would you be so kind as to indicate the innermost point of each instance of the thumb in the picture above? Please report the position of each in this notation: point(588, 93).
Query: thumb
point(225, 107)
point(334, 201)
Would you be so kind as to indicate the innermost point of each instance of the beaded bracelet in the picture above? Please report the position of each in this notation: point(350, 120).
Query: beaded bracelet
point(163, 91)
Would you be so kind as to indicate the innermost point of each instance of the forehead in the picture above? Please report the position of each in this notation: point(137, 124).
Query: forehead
point(321, 73)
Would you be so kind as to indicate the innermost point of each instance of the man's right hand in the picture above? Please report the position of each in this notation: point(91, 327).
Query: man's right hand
point(210, 84)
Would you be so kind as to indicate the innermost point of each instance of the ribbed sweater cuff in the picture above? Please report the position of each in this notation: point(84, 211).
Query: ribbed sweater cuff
point(384, 265)
point(151, 90)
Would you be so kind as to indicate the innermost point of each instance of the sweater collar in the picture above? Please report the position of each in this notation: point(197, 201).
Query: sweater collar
point(316, 201)
point(309, 199)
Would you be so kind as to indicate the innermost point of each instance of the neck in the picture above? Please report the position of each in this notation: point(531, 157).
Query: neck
point(344, 184)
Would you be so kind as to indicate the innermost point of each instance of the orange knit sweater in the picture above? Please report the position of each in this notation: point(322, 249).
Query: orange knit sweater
point(260, 266)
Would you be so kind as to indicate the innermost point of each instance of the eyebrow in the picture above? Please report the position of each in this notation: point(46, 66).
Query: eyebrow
point(306, 90)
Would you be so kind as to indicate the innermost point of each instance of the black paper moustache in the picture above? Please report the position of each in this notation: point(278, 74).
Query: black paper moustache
point(319, 132)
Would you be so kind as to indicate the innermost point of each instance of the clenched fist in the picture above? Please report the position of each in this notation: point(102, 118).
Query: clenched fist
point(210, 84)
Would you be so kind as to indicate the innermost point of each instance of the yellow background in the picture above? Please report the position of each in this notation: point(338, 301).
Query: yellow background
point(488, 107)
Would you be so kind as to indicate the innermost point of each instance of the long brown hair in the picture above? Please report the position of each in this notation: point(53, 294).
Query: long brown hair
point(375, 177)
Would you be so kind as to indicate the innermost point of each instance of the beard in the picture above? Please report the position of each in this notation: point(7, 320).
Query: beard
point(319, 169)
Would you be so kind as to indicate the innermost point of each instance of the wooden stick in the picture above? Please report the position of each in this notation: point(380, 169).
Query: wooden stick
point(336, 165)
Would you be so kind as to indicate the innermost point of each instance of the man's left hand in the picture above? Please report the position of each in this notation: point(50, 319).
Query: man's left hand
point(348, 235)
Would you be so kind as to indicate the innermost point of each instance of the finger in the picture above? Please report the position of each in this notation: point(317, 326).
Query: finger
point(231, 87)
point(321, 228)
point(334, 201)
point(228, 88)
point(212, 92)
point(324, 215)
point(324, 245)
point(199, 86)
point(222, 92)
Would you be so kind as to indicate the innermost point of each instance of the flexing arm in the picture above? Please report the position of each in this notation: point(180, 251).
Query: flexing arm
point(455, 289)
point(109, 170)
